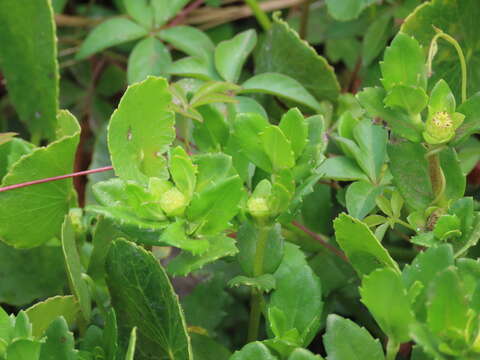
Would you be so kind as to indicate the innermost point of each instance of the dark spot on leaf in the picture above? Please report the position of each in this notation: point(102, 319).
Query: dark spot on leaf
point(63, 339)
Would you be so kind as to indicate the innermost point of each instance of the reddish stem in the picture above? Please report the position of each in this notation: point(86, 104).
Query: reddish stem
point(321, 240)
point(180, 18)
point(55, 178)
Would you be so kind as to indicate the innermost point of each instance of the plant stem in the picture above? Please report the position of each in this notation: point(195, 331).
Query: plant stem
point(436, 176)
point(261, 16)
point(55, 178)
point(461, 56)
point(304, 19)
point(392, 350)
point(256, 296)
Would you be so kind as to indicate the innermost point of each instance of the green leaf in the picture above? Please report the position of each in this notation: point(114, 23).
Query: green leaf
point(282, 86)
point(28, 59)
point(220, 246)
point(23, 267)
point(284, 52)
point(110, 335)
point(385, 296)
point(204, 347)
point(438, 13)
point(213, 132)
point(230, 55)
point(60, 343)
point(342, 168)
point(143, 297)
point(254, 350)
point(132, 343)
point(265, 283)
point(404, 63)
point(164, 10)
point(212, 209)
point(372, 100)
point(278, 148)
point(247, 238)
point(424, 268)
point(360, 345)
point(174, 235)
point(182, 171)
point(140, 11)
point(454, 177)
point(39, 208)
point(23, 327)
point(24, 349)
point(360, 198)
point(447, 308)
point(148, 57)
point(247, 130)
point(295, 129)
point(376, 38)
point(74, 268)
point(412, 99)
point(211, 168)
point(298, 294)
point(43, 313)
point(361, 246)
point(409, 168)
point(345, 10)
point(303, 354)
point(190, 40)
point(471, 123)
point(195, 67)
point(141, 130)
point(110, 33)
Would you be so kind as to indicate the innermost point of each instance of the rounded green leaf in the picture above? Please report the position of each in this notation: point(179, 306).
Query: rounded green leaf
point(148, 57)
point(278, 148)
point(190, 40)
point(230, 55)
point(141, 131)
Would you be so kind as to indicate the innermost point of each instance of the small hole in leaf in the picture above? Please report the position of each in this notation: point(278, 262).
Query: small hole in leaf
point(129, 134)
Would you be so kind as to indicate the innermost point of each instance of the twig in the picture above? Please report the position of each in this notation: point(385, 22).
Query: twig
point(55, 178)
point(76, 21)
point(180, 18)
point(304, 19)
point(321, 240)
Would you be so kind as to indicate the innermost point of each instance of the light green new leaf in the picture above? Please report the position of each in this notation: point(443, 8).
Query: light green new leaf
point(141, 130)
point(132, 344)
point(303, 354)
point(360, 198)
point(211, 168)
point(40, 208)
point(60, 343)
point(278, 148)
point(190, 40)
point(174, 235)
point(457, 18)
point(24, 349)
point(412, 99)
point(6, 137)
point(386, 298)
point(195, 67)
point(182, 171)
point(404, 63)
point(74, 268)
point(295, 129)
point(43, 313)
point(28, 61)
point(283, 52)
point(220, 246)
point(360, 345)
point(361, 246)
point(447, 308)
point(144, 298)
point(282, 86)
point(110, 33)
point(230, 55)
point(254, 350)
point(265, 283)
point(298, 294)
point(148, 57)
point(344, 10)
point(409, 168)
point(212, 209)
point(247, 130)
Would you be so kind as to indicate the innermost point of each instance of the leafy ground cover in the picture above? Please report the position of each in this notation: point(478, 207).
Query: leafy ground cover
point(213, 180)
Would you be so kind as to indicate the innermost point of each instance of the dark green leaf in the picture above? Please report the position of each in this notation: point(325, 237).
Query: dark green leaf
point(189, 40)
point(342, 168)
point(344, 10)
point(148, 57)
point(60, 343)
point(360, 198)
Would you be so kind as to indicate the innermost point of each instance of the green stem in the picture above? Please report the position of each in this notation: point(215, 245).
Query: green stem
point(437, 177)
point(392, 350)
point(261, 16)
point(256, 299)
point(461, 56)
point(304, 19)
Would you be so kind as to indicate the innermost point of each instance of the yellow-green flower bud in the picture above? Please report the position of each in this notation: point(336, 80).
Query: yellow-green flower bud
point(258, 207)
point(173, 202)
point(440, 127)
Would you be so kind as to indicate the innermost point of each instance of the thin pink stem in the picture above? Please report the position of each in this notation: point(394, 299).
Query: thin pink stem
point(321, 240)
point(55, 178)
